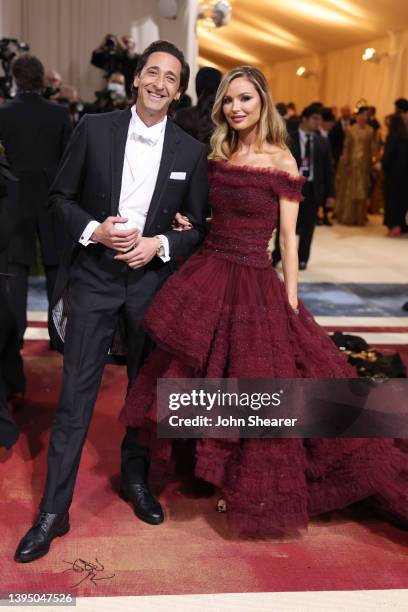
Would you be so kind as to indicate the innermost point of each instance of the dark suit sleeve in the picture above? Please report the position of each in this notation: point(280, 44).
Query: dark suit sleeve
point(181, 244)
point(66, 132)
point(328, 170)
point(336, 137)
point(66, 188)
point(294, 146)
point(98, 59)
point(388, 156)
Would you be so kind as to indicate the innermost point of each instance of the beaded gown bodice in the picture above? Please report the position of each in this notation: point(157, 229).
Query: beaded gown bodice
point(245, 208)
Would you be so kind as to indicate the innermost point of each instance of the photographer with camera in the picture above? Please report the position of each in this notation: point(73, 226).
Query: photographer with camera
point(114, 55)
point(34, 133)
point(9, 49)
point(53, 85)
point(112, 97)
point(69, 98)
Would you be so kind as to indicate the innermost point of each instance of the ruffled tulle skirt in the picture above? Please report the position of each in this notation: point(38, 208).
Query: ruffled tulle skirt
point(218, 318)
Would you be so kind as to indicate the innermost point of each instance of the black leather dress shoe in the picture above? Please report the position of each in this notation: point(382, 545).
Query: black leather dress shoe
point(302, 265)
point(36, 542)
point(146, 507)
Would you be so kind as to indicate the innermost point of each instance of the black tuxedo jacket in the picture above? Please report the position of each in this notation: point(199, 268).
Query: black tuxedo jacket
point(323, 177)
point(11, 365)
point(88, 187)
point(8, 207)
point(34, 133)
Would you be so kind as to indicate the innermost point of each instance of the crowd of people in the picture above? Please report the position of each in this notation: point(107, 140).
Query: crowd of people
point(119, 203)
point(352, 164)
point(370, 162)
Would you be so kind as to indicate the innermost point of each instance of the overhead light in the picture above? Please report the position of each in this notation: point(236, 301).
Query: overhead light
point(214, 13)
point(371, 55)
point(304, 73)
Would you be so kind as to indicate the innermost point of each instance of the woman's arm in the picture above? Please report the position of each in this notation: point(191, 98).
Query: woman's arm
point(287, 240)
point(288, 247)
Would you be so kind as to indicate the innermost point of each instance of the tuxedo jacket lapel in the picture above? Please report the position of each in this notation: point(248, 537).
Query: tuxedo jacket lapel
point(119, 132)
point(171, 140)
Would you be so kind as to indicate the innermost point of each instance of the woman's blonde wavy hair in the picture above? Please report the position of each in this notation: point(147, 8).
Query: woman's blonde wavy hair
point(272, 128)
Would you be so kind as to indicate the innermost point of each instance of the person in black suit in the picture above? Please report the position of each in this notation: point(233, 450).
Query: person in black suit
point(337, 133)
point(134, 169)
point(395, 166)
point(292, 118)
point(11, 365)
point(117, 55)
point(34, 133)
point(313, 157)
point(196, 120)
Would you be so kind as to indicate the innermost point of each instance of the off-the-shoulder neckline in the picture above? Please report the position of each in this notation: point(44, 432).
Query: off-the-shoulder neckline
point(262, 169)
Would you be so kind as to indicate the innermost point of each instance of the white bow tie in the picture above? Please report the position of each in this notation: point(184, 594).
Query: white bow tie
point(149, 135)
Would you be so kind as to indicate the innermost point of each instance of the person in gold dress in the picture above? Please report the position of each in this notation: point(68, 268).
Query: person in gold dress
point(353, 173)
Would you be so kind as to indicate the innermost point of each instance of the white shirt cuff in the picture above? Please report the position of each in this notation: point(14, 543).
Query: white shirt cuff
point(164, 253)
point(85, 238)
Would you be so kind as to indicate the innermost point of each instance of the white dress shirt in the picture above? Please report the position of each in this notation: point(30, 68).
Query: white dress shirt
point(143, 152)
point(303, 138)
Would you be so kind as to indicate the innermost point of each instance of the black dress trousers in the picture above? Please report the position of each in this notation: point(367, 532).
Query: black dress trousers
point(100, 288)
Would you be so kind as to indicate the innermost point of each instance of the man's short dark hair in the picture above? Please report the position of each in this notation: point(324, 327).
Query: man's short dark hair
point(310, 110)
point(318, 103)
point(164, 46)
point(28, 73)
point(207, 81)
point(327, 114)
point(281, 108)
point(402, 105)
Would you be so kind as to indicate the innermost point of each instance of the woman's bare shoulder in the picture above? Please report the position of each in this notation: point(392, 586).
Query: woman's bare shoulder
point(284, 160)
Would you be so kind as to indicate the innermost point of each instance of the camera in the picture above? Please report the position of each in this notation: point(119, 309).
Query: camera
point(111, 44)
point(49, 92)
point(107, 101)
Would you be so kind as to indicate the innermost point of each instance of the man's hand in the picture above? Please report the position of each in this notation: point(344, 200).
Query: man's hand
point(143, 252)
point(118, 240)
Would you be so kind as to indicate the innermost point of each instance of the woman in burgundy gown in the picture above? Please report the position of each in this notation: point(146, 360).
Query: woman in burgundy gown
point(226, 313)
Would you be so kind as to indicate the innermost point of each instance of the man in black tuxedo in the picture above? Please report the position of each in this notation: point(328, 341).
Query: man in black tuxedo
point(313, 157)
point(34, 133)
point(338, 132)
point(134, 169)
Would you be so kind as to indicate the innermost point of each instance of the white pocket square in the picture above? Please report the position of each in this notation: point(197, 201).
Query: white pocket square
point(178, 176)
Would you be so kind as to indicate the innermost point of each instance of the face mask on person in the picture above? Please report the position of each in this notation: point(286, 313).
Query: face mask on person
point(117, 88)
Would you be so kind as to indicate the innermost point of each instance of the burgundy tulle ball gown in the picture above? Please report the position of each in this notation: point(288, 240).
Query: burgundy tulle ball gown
point(225, 313)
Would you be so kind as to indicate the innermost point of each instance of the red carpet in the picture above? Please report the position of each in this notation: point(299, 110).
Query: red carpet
point(192, 552)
